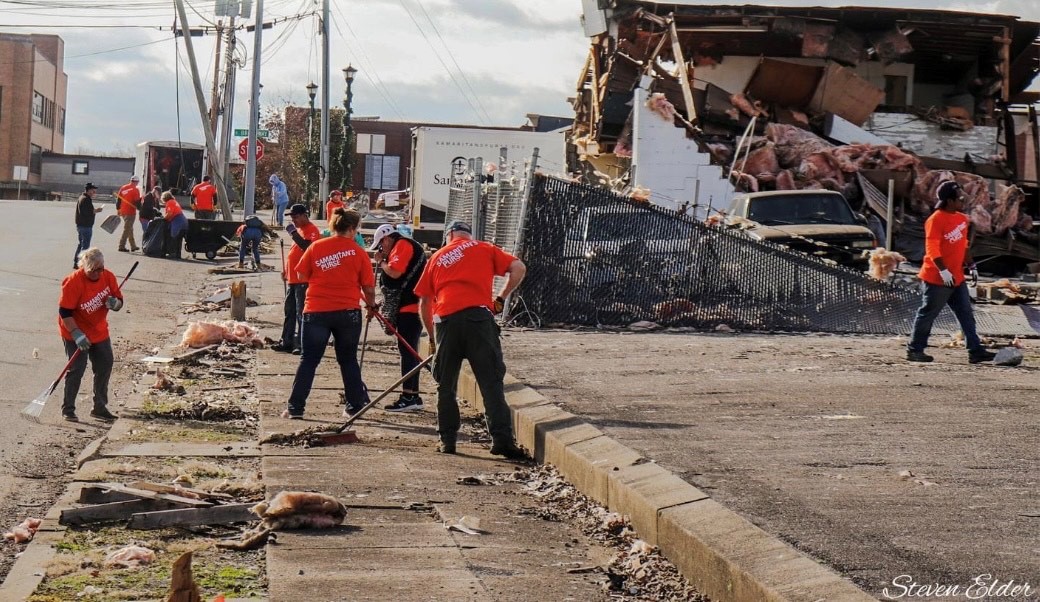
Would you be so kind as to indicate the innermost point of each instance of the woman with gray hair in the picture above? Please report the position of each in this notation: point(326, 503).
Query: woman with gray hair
point(87, 295)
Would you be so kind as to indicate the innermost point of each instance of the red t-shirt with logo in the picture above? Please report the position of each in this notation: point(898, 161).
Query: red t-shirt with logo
point(308, 232)
point(399, 258)
point(86, 298)
point(204, 193)
point(459, 275)
point(335, 269)
point(945, 236)
point(130, 199)
point(331, 206)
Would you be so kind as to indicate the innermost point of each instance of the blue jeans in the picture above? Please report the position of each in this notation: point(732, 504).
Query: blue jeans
point(250, 238)
point(292, 327)
point(84, 234)
point(279, 212)
point(935, 297)
point(345, 329)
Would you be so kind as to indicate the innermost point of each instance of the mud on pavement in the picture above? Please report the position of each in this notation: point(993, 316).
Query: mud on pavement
point(876, 467)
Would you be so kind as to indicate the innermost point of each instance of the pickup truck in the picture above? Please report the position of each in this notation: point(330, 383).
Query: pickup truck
point(800, 219)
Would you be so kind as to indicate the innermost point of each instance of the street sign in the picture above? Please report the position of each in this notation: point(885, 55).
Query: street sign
point(259, 133)
point(243, 148)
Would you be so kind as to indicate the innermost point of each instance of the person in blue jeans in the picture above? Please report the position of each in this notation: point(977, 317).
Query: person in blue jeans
point(946, 252)
point(279, 197)
point(338, 274)
point(251, 232)
point(85, 213)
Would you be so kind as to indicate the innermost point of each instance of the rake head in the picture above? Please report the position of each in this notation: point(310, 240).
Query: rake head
point(34, 410)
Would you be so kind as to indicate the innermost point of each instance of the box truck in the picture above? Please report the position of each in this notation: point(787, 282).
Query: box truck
point(170, 165)
point(440, 156)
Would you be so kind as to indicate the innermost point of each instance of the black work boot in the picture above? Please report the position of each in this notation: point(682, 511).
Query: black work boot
point(103, 414)
point(509, 449)
point(980, 355)
point(446, 447)
point(918, 356)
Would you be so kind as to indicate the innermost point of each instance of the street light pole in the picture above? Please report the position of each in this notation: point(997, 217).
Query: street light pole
point(312, 91)
point(347, 153)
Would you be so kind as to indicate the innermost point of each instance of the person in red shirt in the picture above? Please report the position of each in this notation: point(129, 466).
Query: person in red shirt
point(129, 202)
point(338, 275)
point(174, 215)
point(335, 202)
point(303, 233)
point(401, 261)
point(202, 198)
point(87, 295)
point(946, 252)
point(455, 294)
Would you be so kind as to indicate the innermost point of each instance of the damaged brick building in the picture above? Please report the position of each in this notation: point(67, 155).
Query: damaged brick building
point(684, 104)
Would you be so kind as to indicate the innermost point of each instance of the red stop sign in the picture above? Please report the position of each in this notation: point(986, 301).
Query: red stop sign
point(243, 148)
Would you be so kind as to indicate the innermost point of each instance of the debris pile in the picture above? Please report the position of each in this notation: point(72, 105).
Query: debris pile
point(25, 531)
point(219, 300)
point(290, 510)
point(638, 571)
point(130, 557)
point(202, 333)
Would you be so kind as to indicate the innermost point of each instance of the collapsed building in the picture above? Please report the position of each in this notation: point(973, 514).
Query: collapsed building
point(684, 104)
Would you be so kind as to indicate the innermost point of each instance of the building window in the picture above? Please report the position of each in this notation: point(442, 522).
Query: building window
point(35, 158)
point(80, 168)
point(37, 107)
point(370, 144)
point(61, 124)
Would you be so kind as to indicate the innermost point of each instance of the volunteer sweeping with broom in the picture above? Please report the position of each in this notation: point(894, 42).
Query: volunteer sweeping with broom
point(87, 295)
point(338, 274)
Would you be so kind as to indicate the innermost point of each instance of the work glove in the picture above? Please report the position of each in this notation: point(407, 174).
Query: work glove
point(289, 229)
point(114, 303)
point(433, 347)
point(500, 305)
point(973, 272)
point(371, 311)
point(947, 277)
point(81, 339)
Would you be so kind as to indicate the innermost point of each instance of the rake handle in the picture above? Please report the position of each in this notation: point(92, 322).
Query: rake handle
point(386, 323)
point(64, 371)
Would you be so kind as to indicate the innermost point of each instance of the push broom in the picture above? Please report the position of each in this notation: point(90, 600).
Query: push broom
point(34, 410)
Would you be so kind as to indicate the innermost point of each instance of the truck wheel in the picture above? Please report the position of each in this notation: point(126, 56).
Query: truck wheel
point(211, 255)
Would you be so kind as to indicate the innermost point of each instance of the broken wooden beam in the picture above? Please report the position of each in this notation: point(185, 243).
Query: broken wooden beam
point(108, 492)
point(194, 354)
point(186, 517)
point(684, 73)
point(177, 490)
point(113, 511)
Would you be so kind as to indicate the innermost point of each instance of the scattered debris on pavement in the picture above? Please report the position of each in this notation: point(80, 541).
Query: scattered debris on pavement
point(25, 531)
point(130, 557)
point(637, 571)
point(470, 525)
point(289, 510)
point(202, 334)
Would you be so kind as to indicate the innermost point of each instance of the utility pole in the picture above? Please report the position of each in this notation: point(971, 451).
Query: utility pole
point(211, 147)
point(249, 202)
point(228, 103)
point(212, 166)
point(323, 185)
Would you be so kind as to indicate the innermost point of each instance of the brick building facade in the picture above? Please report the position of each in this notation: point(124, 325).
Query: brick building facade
point(33, 88)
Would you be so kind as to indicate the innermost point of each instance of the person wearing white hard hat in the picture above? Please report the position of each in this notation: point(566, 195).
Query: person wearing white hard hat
point(400, 262)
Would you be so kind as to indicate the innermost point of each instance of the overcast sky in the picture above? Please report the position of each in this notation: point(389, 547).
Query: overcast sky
point(517, 57)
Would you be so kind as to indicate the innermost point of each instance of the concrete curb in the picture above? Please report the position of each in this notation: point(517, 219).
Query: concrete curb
point(724, 555)
point(91, 451)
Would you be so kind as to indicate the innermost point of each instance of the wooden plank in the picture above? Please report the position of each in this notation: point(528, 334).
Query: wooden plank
point(216, 515)
point(684, 73)
point(110, 512)
point(161, 488)
point(152, 495)
point(191, 355)
point(101, 494)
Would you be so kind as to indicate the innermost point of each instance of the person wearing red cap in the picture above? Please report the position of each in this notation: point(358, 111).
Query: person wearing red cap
point(455, 295)
point(335, 202)
point(128, 200)
point(946, 252)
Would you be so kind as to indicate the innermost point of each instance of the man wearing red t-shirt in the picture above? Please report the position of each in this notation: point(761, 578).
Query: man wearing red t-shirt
point(335, 202)
point(401, 261)
point(338, 274)
point(303, 233)
point(942, 276)
point(455, 294)
point(202, 198)
point(129, 200)
point(87, 295)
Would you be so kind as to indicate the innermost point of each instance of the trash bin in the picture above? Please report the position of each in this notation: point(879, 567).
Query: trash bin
point(208, 237)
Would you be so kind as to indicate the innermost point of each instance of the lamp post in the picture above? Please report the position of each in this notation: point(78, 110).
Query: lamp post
point(347, 153)
point(312, 91)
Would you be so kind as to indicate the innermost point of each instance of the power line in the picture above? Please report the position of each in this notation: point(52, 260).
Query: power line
point(368, 70)
point(76, 56)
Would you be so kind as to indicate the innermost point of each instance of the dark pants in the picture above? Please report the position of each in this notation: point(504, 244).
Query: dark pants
point(83, 235)
point(251, 237)
point(204, 214)
point(292, 326)
point(471, 334)
point(345, 329)
point(409, 327)
point(935, 297)
point(101, 360)
point(178, 227)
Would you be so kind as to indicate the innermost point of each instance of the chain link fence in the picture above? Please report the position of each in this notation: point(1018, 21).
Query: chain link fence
point(596, 258)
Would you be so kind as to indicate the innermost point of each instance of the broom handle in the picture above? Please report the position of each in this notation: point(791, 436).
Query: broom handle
point(385, 392)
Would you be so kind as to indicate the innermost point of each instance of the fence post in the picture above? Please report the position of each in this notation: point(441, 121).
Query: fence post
point(239, 300)
point(478, 206)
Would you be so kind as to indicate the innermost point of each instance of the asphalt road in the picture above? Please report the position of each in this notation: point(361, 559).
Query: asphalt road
point(37, 241)
point(892, 473)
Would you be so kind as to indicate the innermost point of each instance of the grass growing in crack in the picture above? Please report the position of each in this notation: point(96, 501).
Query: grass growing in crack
point(190, 431)
point(79, 564)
